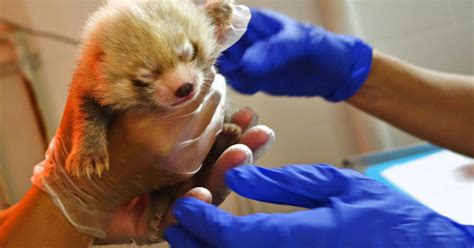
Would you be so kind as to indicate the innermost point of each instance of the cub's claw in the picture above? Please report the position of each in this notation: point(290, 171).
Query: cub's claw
point(81, 165)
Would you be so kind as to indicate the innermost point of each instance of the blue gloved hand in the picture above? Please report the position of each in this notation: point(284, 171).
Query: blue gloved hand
point(346, 209)
point(281, 56)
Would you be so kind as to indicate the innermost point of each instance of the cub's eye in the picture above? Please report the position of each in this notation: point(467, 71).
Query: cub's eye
point(195, 51)
point(143, 78)
point(139, 83)
point(189, 52)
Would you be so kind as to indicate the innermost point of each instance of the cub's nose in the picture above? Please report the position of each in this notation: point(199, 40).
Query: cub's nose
point(184, 90)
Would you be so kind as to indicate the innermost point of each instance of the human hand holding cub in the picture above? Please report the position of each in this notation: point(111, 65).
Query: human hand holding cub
point(144, 219)
point(141, 115)
point(147, 153)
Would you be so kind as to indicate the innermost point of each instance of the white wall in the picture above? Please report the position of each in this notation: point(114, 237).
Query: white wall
point(57, 60)
point(65, 17)
point(21, 143)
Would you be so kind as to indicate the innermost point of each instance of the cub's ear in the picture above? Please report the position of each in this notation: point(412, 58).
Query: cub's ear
point(219, 11)
point(230, 20)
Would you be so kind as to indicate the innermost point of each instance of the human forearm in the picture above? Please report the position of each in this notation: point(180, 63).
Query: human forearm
point(438, 107)
point(37, 222)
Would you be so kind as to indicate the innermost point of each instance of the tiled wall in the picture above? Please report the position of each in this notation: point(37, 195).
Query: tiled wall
point(437, 34)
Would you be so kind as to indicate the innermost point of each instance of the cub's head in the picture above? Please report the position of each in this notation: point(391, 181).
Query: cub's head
point(155, 52)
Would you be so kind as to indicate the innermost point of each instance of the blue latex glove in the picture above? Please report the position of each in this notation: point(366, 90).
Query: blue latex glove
point(281, 56)
point(346, 209)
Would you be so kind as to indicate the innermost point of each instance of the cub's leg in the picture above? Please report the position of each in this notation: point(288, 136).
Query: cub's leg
point(89, 153)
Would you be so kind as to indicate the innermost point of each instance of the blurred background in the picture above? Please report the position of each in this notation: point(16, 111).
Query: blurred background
point(35, 73)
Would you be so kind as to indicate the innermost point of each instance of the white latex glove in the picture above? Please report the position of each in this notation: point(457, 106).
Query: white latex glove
point(147, 151)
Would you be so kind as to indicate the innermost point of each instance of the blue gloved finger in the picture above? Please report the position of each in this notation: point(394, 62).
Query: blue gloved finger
point(261, 26)
point(179, 237)
point(270, 54)
point(264, 23)
point(241, 83)
point(230, 59)
point(470, 229)
point(220, 229)
point(307, 186)
point(203, 220)
point(355, 73)
point(284, 229)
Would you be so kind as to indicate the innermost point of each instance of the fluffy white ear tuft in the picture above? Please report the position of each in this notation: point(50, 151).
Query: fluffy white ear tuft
point(230, 20)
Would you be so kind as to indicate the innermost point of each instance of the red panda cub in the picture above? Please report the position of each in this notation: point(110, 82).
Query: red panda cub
point(154, 55)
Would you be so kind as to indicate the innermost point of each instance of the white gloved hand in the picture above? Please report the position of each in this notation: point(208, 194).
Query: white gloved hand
point(147, 151)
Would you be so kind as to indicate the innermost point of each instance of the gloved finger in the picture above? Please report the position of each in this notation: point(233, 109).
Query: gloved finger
point(241, 120)
point(253, 142)
point(203, 220)
point(230, 59)
point(178, 237)
point(234, 156)
point(262, 25)
point(221, 229)
point(307, 186)
point(245, 118)
point(269, 55)
point(242, 83)
point(265, 23)
point(258, 139)
point(198, 193)
point(310, 228)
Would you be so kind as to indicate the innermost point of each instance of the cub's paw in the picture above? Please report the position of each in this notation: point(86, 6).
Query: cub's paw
point(84, 164)
point(229, 135)
point(160, 202)
point(154, 234)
